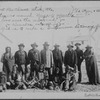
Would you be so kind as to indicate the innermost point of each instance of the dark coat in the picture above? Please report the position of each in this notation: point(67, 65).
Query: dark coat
point(57, 56)
point(91, 67)
point(58, 60)
point(70, 58)
point(34, 56)
point(21, 58)
point(79, 56)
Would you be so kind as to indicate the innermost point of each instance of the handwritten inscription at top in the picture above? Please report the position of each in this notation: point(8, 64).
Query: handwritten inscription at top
point(40, 18)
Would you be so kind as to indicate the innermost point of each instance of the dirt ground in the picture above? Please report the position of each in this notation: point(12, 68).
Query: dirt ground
point(80, 88)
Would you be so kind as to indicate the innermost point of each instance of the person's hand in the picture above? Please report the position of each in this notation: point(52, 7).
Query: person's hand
point(28, 66)
point(12, 81)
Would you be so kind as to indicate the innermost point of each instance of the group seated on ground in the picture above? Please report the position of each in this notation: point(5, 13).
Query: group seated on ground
point(16, 81)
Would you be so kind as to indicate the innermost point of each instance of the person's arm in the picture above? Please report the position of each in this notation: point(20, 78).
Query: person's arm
point(62, 57)
point(52, 63)
point(65, 59)
point(52, 60)
point(39, 56)
point(2, 58)
point(15, 56)
point(82, 56)
point(75, 57)
point(29, 56)
point(26, 57)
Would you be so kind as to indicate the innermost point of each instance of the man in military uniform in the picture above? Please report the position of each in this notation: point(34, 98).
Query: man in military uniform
point(34, 60)
point(21, 60)
point(58, 61)
point(79, 53)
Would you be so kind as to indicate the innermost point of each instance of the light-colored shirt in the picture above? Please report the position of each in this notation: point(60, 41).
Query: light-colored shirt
point(47, 58)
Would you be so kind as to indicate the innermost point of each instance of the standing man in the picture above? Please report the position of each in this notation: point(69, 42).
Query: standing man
point(70, 57)
point(58, 61)
point(34, 60)
point(70, 60)
point(79, 53)
point(21, 60)
point(47, 59)
point(91, 66)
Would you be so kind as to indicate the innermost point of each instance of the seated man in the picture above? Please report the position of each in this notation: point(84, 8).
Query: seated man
point(69, 80)
point(43, 77)
point(12, 79)
point(21, 83)
point(57, 79)
point(16, 80)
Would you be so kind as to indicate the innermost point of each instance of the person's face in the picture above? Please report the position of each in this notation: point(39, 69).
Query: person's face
point(21, 48)
point(70, 48)
point(46, 47)
point(33, 47)
point(56, 47)
point(77, 46)
point(8, 49)
point(89, 49)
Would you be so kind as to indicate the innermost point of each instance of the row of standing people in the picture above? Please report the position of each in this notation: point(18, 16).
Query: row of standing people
point(50, 60)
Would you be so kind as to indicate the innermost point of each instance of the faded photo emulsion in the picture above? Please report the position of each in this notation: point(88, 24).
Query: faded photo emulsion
point(50, 49)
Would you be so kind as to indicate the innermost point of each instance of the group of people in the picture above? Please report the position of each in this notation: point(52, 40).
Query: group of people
point(44, 69)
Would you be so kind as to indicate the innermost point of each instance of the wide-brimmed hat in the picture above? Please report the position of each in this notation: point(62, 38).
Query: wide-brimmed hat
point(34, 44)
point(88, 46)
point(56, 45)
point(77, 44)
point(46, 44)
point(70, 45)
point(21, 44)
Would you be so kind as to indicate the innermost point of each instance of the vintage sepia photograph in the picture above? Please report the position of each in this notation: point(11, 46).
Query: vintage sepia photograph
point(49, 49)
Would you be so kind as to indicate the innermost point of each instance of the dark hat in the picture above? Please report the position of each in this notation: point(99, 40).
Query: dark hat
point(77, 44)
point(70, 45)
point(56, 45)
point(46, 44)
point(34, 44)
point(88, 46)
point(21, 44)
